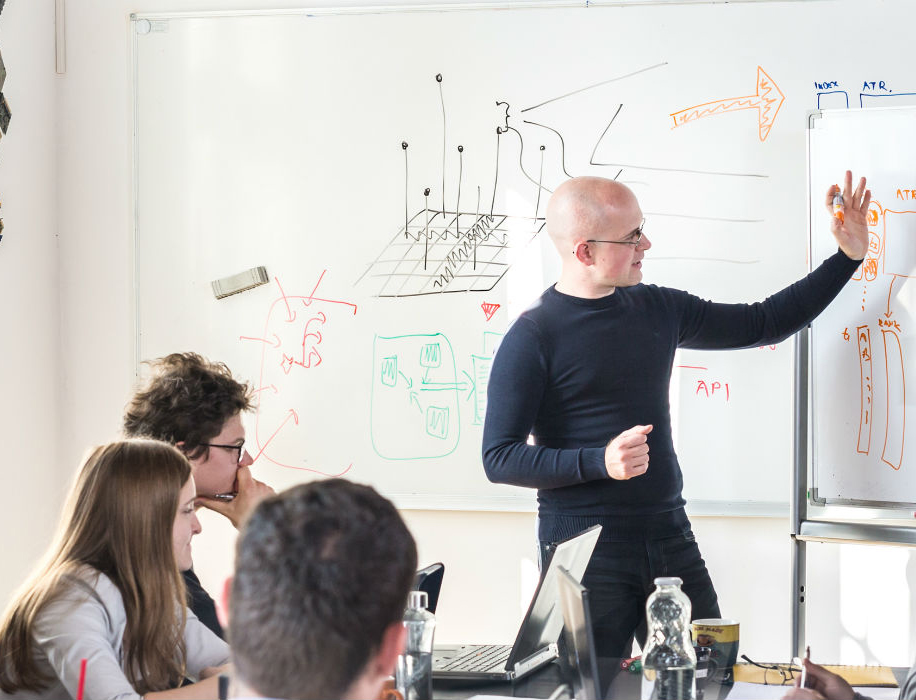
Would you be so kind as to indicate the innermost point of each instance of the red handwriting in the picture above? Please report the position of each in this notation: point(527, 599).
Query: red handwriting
point(710, 389)
point(294, 330)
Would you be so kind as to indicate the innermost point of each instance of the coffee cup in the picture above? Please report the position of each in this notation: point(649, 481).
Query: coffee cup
point(721, 636)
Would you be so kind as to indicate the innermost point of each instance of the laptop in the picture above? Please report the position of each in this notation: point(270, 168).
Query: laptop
point(429, 579)
point(536, 642)
point(579, 638)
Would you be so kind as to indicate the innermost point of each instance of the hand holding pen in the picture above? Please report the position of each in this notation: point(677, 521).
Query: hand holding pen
point(249, 492)
point(816, 683)
point(803, 683)
point(848, 209)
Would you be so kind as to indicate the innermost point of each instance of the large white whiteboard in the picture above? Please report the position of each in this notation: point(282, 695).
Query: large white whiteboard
point(862, 347)
point(276, 140)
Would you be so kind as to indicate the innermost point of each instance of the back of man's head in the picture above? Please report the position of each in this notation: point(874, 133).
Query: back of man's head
point(322, 573)
point(186, 399)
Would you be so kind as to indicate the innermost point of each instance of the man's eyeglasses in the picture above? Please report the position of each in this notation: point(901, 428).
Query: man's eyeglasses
point(775, 674)
point(239, 448)
point(633, 240)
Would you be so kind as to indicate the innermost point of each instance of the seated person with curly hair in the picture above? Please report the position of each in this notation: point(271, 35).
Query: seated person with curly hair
point(197, 406)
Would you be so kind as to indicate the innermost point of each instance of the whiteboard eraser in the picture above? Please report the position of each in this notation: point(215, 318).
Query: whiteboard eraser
point(241, 282)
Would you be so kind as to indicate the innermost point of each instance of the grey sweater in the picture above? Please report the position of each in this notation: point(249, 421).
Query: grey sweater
point(88, 622)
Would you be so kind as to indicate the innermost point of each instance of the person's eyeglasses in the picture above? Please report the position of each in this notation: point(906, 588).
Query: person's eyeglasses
point(240, 448)
point(634, 239)
point(775, 674)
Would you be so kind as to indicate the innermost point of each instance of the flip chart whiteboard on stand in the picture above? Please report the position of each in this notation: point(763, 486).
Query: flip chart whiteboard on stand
point(862, 346)
point(305, 141)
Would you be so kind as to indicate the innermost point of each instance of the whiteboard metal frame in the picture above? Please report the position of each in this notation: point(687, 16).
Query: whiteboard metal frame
point(815, 499)
point(439, 7)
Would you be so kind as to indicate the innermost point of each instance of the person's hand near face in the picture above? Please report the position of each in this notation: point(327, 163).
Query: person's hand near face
point(223, 475)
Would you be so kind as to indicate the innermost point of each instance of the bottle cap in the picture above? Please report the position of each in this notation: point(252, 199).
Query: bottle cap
point(417, 600)
point(668, 581)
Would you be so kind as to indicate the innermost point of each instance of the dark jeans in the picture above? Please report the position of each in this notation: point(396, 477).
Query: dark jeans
point(620, 578)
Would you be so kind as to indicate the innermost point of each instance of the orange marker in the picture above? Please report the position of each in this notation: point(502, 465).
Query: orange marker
point(838, 204)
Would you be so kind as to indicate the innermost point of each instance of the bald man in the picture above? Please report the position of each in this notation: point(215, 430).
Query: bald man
point(585, 372)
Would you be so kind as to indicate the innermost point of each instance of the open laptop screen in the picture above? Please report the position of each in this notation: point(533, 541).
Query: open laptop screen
point(580, 642)
point(429, 579)
point(544, 622)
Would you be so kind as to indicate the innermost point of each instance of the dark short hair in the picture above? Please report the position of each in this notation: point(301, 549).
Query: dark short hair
point(322, 570)
point(186, 399)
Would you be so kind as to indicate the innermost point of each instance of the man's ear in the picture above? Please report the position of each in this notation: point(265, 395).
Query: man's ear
point(222, 607)
point(391, 647)
point(583, 253)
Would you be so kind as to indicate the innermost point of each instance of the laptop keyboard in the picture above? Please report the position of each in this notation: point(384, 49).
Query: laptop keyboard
point(481, 658)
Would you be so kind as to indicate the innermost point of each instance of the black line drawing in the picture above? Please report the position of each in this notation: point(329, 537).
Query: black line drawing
point(406, 182)
point(706, 218)
point(697, 258)
point(562, 145)
point(604, 133)
point(447, 251)
point(430, 257)
point(442, 102)
point(591, 87)
point(441, 250)
point(458, 198)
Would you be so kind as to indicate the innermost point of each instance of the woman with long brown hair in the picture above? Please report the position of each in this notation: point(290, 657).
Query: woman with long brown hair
point(110, 589)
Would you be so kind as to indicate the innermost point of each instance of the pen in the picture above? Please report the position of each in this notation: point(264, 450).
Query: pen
point(223, 496)
point(804, 676)
point(223, 686)
point(838, 204)
point(82, 682)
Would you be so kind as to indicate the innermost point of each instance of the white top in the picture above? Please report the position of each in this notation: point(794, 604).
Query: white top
point(87, 621)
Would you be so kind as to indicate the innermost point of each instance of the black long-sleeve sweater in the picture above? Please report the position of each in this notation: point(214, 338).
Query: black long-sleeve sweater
point(574, 373)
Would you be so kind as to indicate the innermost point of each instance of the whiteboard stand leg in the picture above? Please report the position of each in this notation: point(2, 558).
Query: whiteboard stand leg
point(799, 504)
point(799, 570)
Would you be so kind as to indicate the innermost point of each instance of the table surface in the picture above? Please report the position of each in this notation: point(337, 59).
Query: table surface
point(543, 682)
point(616, 682)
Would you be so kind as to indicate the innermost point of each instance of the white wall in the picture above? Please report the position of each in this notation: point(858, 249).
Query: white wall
point(30, 353)
point(67, 370)
point(491, 571)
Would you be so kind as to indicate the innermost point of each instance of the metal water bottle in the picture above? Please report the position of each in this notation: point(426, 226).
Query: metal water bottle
point(414, 673)
point(669, 662)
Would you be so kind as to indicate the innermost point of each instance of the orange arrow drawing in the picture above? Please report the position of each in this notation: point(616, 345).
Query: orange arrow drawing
point(766, 101)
